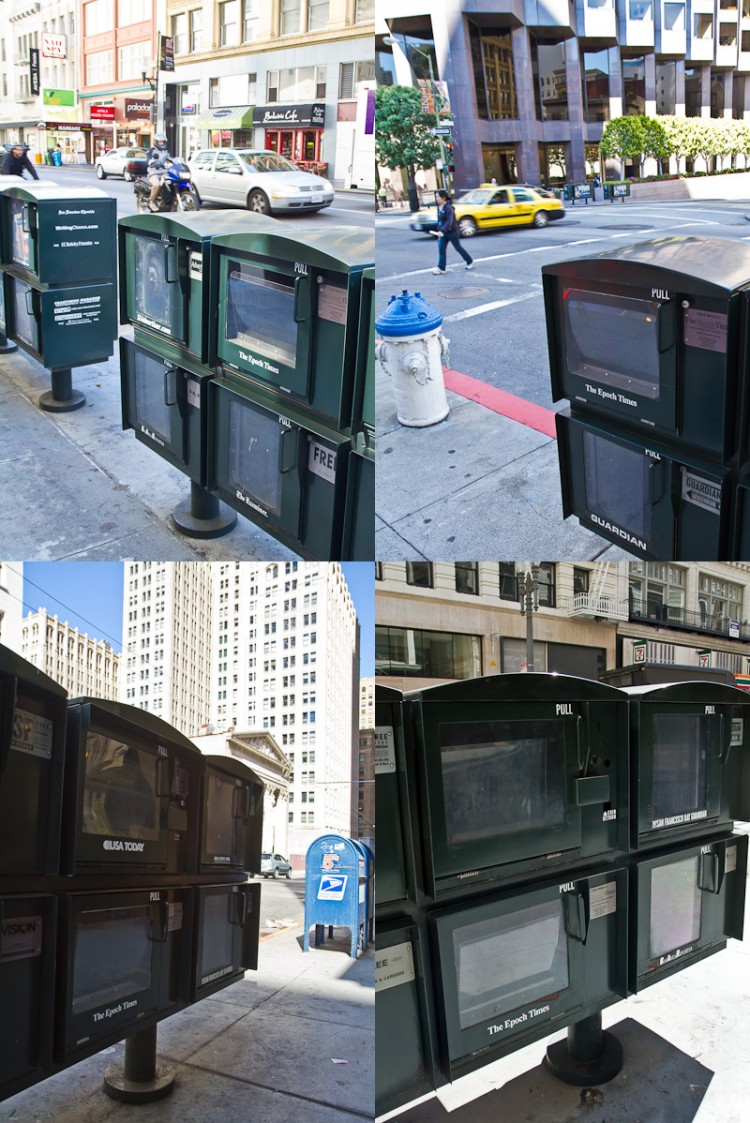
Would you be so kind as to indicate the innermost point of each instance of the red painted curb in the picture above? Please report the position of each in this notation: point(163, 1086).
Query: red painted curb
point(500, 401)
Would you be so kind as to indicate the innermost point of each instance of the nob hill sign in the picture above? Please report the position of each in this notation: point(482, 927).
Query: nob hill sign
point(290, 116)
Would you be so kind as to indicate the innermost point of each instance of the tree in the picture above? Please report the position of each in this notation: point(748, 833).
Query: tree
point(402, 133)
point(635, 137)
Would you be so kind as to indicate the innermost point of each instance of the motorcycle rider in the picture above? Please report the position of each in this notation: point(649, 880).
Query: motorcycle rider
point(16, 162)
point(158, 157)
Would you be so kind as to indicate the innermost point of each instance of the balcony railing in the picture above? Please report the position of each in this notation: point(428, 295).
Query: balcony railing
point(685, 619)
point(588, 604)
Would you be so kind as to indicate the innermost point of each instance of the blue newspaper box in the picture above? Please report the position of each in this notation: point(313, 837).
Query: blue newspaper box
point(370, 889)
point(336, 889)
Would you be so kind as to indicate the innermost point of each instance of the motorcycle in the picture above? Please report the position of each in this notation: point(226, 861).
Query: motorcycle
point(176, 191)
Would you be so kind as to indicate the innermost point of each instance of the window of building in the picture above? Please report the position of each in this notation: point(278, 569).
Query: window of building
point(289, 17)
point(718, 84)
point(98, 17)
point(250, 20)
point(317, 14)
point(657, 591)
point(494, 77)
point(412, 652)
point(135, 11)
point(596, 85)
point(420, 574)
point(550, 80)
point(718, 600)
point(195, 21)
point(666, 87)
point(133, 60)
point(353, 76)
point(580, 580)
point(547, 593)
point(100, 68)
point(364, 11)
point(674, 17)
point(634, 86)
point(179, 33)
point(693, 91)
point(228, 22)
point(640, 10)
point(467, 578)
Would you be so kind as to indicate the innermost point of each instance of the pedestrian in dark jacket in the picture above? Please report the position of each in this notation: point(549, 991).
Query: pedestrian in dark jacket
point(447, 231)
point(16, 162)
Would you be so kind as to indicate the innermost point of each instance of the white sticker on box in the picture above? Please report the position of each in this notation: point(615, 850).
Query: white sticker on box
point(385, 750)
point(731, 863)
point(322, 461)
point(737, 731)
point(31, 734)
point(194, 393)
point(20, 938)
point(332, 304)
point(394, 966)
point(603, 900)
point(196, 266)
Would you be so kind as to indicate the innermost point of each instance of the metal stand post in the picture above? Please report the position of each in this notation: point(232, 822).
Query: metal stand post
point(203, 516)
point(6, 346)
point(139, 1079)
point(62, 398)
point(589, 1056)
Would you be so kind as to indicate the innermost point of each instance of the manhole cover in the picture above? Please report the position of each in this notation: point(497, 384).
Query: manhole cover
point(463, 294)
point(625, 226)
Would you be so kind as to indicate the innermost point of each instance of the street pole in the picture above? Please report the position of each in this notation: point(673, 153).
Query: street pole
point(528, 595)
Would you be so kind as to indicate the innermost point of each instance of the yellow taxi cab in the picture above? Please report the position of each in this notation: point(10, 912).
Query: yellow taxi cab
point(490, 207)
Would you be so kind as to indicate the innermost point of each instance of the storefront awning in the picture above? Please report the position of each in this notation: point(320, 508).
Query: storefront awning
point(239, 118)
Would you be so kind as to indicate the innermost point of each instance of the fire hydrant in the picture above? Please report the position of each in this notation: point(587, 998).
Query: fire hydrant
point(412, 352)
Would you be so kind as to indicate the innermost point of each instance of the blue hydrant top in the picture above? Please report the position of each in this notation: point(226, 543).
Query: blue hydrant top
point(408, 315)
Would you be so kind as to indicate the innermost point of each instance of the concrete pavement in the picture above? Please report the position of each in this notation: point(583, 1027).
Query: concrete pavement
point(294, 1042)
point(74, 486)
point(480, 484)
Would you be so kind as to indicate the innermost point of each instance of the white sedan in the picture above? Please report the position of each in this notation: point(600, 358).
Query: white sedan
point(264, 182)
point(115, 161)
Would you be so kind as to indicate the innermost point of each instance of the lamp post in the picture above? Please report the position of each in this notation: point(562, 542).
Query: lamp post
point(391, 40)
point(153, 85)
point(528, 596)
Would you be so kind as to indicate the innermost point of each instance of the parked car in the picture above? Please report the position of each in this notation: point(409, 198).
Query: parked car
point(115, 162)
point(271, 865)
point(493, 207)
point(262, 181)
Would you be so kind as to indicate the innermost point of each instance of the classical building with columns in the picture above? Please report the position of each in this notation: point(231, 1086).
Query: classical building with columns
point(532, 83)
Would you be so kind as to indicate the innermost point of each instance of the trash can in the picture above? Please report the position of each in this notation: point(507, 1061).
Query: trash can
point(57, 157)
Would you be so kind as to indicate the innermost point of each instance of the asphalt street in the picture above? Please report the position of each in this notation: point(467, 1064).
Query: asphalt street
point(481, 484)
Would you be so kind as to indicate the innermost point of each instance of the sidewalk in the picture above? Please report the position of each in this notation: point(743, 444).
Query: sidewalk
point(264, 1050)
point(77, 487)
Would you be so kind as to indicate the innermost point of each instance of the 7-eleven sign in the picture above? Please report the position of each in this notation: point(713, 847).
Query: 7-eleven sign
point(639, 652)
point(704, 658)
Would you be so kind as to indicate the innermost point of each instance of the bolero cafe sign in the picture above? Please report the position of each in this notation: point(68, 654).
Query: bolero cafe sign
point(290, 116)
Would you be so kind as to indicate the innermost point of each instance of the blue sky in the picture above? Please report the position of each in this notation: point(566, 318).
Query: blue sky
point(88, 595)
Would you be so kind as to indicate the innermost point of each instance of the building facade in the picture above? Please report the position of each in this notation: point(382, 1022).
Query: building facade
point(531, 85)
point(440, 621)
point(285, 652)
point(11, 604)
point(38, 75)
point(83, 666)
point(278, 74)
point(166, 628)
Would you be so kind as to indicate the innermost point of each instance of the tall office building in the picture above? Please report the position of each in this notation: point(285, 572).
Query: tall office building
point(83, 666)
point(244, 647)
point(285, 651)
point(167, 620)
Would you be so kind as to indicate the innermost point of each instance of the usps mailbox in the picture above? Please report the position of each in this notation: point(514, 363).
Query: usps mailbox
point(336, 889)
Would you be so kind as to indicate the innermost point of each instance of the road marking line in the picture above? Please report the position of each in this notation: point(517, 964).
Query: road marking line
point(500, 401)
point(481, 308)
